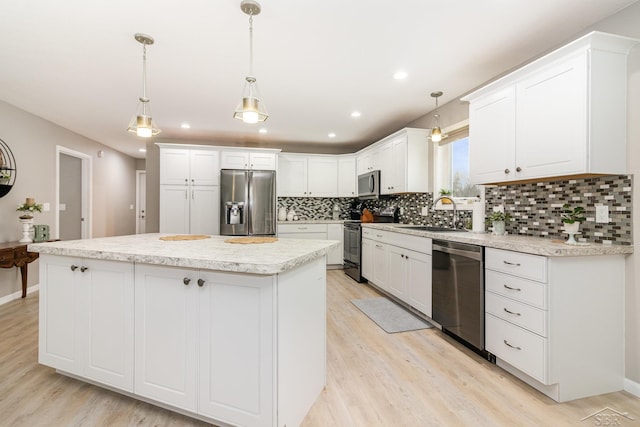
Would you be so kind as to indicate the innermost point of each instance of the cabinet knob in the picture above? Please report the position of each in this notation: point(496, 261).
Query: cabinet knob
point(507, 171)
point(518, 169)
point(74, 267)
point(186, 281)
point(401, 255)
point(83, 268)
point(200, 282)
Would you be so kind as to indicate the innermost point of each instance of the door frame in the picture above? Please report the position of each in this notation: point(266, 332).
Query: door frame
point(86, 185)
point(139, 174)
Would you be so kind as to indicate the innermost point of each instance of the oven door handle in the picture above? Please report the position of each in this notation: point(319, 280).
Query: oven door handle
point(461, 252)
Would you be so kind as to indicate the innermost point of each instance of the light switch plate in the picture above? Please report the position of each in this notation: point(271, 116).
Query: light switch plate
point(602, 214)
point(46, 207)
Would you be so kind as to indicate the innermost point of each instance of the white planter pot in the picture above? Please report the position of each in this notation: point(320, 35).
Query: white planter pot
point(498, 228)
point(571, 228)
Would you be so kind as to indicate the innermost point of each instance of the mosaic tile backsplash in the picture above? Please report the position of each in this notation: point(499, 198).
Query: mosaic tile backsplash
point(535, 208)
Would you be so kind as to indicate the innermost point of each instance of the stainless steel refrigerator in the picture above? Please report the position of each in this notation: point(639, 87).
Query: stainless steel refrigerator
point(247, 202)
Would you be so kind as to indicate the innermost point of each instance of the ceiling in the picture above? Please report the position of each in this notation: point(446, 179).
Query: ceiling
point(76, 63)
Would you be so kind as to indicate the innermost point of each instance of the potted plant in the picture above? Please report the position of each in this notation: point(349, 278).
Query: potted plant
point(498, 220)
point(572, 217)
point(445, 192)
point(28, 208)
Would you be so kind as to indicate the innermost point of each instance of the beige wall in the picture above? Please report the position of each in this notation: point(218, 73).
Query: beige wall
point(33, 142)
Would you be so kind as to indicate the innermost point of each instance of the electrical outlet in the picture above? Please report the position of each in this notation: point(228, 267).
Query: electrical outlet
point(602, 214)
point(401, 211)
point(425, 211)
point(46, 207)
point(499, 208)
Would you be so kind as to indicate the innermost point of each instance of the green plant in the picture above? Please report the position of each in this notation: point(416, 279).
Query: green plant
point(570, 215)
point(36, 207)
point(445, 192)
point(4, 175)
point(499, 216)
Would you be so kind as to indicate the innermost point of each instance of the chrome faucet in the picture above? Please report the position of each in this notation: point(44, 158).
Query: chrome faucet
point(455, 214)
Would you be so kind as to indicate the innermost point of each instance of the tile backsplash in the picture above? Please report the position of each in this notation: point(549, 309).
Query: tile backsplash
point(535, 207)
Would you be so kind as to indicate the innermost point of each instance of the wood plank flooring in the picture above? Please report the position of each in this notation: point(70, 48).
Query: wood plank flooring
point(417, 378)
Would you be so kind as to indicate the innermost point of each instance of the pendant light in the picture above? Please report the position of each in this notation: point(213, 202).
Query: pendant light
point(142, 123)
point(436, 132)
point(251, 109)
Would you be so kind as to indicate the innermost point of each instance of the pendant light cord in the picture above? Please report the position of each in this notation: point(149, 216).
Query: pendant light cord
point(144, 73)
point(251, 43)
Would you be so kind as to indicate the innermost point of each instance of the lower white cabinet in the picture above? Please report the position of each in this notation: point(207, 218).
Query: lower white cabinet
point(86, 318)
point(399, 264)
point(189, 209)
point(319, 232)
point(557, 322)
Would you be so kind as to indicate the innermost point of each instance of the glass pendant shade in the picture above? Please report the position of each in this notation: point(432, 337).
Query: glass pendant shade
point(436, 132)
point(142, 123)
point(250, 109)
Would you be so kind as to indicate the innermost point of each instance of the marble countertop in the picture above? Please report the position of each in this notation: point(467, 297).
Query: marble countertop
point(526, 244)
point(313, 221)
point(210, 254)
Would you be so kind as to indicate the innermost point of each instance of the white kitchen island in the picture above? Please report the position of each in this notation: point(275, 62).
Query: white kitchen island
point(232, 334)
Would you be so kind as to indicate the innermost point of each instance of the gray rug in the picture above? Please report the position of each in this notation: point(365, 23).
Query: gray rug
point(390, 316)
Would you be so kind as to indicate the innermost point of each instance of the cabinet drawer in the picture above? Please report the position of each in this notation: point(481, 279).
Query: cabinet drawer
point(302, 228)
point(532, 267)
point(516, 346)
point(381, 236)
point(533, 319)
point(414, 243)
point(527, 291)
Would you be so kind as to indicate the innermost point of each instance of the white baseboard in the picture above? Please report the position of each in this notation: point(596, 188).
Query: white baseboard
point(632, 387)
point(17, 295)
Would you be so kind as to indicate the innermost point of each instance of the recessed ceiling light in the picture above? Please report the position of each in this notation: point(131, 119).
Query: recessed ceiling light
point(332, 135)
point(185, 126)
point(356, 114)
point(263, 130)
point(399, 75)
point(142, 150)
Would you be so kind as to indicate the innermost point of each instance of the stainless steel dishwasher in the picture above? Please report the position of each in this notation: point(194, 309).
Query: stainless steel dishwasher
point(458, 291)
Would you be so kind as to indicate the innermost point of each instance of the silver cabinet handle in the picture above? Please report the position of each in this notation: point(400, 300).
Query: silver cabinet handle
point(378, 235)
point(74, 267)
point(302, 228)
point(512, 289)
point(511, 312)
point(83, 268)
point(507, 171)
point(186, 281)
point(512, 263)
point(200, 282)
point(378, 246)
point(512, 346)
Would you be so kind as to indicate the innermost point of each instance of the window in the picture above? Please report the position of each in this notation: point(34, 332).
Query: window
point(452, 165)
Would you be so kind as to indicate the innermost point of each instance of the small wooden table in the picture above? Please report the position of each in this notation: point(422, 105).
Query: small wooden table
point(14, 254)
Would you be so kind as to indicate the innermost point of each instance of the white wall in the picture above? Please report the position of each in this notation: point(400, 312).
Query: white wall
point(33, 143)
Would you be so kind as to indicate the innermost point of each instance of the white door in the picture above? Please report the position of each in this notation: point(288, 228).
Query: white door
point(418, 281)
point(141, 202)
point(292, 176)
point(236, 357)
point(174, 209)
point(397, 271)
point(322, 177)
point(380, 265)
point(262, 161)
point(347, 177)
point(385, 164)
point(399, 153)
point(205, 167)
point(166, 301)
point(336, 255)
point(174, 166)
point(234, 160)
point(205, 210)
point(367, 258)
point(107, 325)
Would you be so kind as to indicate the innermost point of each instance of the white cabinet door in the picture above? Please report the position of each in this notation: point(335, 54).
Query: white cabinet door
point(322, 177)
point(205, 167)
point(551, 120)
point(492, 137)
point(292, 176)
point(386, 168)
point(335, 232)
point(234, 160)
point(364, 162)
point(262, 161)
point(174, 166)
point(418, 281)
point(367, 258)
point(397, 271)
point(174, 209)
point(347, 177)
point(86, 318)
point(166, 335)
point(399, 171)
point(236, 342)
point(380, 265)
point(204, 210)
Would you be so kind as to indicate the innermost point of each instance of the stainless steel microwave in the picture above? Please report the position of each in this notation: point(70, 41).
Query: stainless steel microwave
point(369, 185)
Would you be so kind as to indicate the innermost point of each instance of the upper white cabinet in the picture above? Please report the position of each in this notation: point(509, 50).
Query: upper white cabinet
point(307, 176)
point(404, 162)
point(347, 177)
point(244, 159)
point(367, 161)
point(189, 166)
point(563, 114)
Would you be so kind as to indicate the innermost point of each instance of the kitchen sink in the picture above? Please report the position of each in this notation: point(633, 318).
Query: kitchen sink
point(430, 228)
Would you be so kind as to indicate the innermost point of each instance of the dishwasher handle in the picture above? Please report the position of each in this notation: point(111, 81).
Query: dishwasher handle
point(454, 251)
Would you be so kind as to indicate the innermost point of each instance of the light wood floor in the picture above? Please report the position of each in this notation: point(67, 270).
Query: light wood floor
point(418, 378)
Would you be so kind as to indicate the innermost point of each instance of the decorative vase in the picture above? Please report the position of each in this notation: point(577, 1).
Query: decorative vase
point(27, 226)
point(498, 228)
